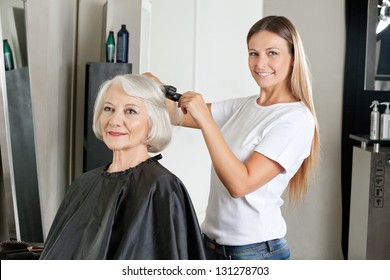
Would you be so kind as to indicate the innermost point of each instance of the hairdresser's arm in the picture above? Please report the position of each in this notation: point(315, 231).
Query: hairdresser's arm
point(240, 178)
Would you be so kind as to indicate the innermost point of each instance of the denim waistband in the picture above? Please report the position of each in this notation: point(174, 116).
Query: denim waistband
point(226, 250)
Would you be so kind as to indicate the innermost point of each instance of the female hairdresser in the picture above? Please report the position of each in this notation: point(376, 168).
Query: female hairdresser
point(258, 145)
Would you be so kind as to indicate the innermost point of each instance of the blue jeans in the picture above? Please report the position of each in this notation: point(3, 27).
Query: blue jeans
point(276, 249)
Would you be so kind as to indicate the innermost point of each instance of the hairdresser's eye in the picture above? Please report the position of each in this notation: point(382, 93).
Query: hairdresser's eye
point(272, 53)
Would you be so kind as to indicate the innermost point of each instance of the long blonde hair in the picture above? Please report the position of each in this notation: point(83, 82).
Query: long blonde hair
point(301, 88)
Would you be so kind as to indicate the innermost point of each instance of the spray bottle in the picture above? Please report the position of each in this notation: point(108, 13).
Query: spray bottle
point(385, 123)
point(375, 117)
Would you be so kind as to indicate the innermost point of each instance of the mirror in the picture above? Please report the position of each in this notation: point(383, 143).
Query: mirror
point(19, 204)
point(377, 70)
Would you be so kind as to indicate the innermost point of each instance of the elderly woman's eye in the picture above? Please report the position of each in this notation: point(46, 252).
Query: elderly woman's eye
point(131, 111)
point(107, 109)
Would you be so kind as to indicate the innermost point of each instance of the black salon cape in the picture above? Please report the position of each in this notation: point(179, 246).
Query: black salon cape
point(142, 213)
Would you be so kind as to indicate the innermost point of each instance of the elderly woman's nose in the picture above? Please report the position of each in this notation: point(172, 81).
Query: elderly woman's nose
point(116, 118)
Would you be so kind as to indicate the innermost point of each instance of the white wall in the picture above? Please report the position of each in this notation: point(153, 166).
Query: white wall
point(127, 12)
point(201, 46)
point(314, 228)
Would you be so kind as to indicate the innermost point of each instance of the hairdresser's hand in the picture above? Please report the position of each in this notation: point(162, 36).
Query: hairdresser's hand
point(193, 103)
point(150, 75)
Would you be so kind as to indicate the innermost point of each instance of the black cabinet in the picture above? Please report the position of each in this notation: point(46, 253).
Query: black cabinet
point(96, 152)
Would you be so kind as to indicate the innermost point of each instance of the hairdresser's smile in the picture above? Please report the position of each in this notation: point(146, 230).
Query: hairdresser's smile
point(264, 75)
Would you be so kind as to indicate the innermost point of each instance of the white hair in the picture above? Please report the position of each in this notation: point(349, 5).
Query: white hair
point(151, 92)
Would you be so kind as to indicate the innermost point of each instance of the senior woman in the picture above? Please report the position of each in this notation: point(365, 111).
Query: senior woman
point(133, 208)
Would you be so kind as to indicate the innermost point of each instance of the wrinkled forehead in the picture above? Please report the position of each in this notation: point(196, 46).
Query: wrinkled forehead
point(116, 94)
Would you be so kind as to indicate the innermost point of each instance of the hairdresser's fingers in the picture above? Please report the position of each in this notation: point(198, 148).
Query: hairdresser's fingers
point(181, 105)
point(184, 110)
point(153, 77)
point(194, 104)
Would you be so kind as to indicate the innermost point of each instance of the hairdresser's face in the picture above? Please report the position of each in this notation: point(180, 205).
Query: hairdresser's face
point(124, 121)
point(269, 60)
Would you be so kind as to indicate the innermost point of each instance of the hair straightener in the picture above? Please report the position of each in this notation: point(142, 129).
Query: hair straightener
point(170, 93)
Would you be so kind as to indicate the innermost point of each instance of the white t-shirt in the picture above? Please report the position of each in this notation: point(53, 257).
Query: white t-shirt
point(282, 132)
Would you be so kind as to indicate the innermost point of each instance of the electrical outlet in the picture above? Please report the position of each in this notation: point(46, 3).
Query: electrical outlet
point(378, 192)
point(378, 202)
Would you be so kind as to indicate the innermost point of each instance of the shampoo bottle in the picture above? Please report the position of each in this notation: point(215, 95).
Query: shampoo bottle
point(110, 47)
point(385, 122)
point(8, 58)
point(122, 49)
point(375, 118)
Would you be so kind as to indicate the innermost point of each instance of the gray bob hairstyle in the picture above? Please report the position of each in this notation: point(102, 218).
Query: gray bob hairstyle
point(145, 88)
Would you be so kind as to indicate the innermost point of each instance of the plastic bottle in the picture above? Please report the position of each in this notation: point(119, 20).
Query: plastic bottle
point(8, 57)
point(122, 49)
point(110, 47)
point(385, 123)
point(375, 118)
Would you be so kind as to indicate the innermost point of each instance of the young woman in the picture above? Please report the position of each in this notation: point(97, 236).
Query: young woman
point(259, 145)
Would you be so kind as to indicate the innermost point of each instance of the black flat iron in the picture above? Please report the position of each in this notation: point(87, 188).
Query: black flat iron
point(171, 94)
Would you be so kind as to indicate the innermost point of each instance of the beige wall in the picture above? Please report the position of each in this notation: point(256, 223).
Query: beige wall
point(51, 47)
point(89, 49)
point(314, 227)
point(7, 28)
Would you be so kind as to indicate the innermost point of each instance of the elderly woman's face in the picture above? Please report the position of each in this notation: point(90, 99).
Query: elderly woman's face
point(124, 120)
